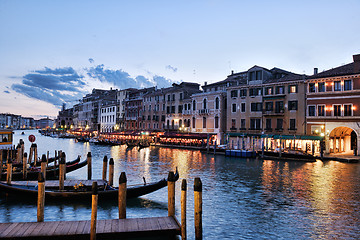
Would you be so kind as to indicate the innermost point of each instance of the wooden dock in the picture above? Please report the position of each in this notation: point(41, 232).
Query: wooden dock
point(105, 229)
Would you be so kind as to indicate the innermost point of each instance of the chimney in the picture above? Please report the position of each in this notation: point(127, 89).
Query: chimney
point(356, 63)
point(232, 72)
point(315, 71)
point(205, 83)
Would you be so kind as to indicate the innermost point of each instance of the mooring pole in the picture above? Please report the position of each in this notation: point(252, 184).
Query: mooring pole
point(198, 208)
point(171, 194)
point(105, 160)
point(89, 165)
point(9, 172)
point(61, 172)
point(25, 166)
point(122, 196)
point(41, 198)
point(43, 165)
point(183, 209)
point(94, 204)
point(111, 171)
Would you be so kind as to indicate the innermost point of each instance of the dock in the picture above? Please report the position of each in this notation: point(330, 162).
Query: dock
point(105, 229)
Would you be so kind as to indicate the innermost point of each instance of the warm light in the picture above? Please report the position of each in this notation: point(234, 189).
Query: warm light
point(342, 83)
point(353, 108)
point(332, 83)
point(326, 84)
point(316, 131)
point(322, 134)
point(316, 84)
point(322, 126)
point(342, 108)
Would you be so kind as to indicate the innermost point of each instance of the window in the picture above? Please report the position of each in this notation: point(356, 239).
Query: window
point(172, 109)
point(293, 89)
point(337, 110)
point(163, 107)
point(347, 110)
point(279, 107)
point(268, 91)
point(193, 122)
point(337, 85)
point(149, 107)
point(217, 103)
point(243, 107)
point(180, 108)
point(256, 107)
point(255, 91)
point(233, 123)
point(321, 87)
point(234, 93)
point(311, 87)
point(311, 111)
point(280, 90)
point(347, 85)
point(169, 97)
point(204, 104)
point(194, 105)
point(258, 75)
point(279, 123)
point(243, 92)
point(181, 96)
point(173, 97)
point(321, 110)
point(269, 106)
point(268, 124)
point(216, 122)
point(255, 124)
point(292, 124)
point(233, 108)
point(168, 109)
point(243, 124)
point(293, 105)
point(252, 76)
point(204, 122)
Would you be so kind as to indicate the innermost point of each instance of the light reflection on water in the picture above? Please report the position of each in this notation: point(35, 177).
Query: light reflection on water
point(242, 199)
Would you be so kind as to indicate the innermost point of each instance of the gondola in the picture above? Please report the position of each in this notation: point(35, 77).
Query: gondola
point(104, 190)
point(51, 172)
point(289, 156)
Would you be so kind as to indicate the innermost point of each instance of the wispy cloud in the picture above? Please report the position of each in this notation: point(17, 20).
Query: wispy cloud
point(174, 69)
point(91, 60)
point(6, 91)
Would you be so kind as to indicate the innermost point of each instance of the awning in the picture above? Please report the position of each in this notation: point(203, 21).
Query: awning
point(298, 137)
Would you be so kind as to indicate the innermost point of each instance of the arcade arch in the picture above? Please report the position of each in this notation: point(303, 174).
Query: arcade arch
point(343, 140)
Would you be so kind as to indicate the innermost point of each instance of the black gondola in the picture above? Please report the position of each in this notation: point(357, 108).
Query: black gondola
point(105, 191)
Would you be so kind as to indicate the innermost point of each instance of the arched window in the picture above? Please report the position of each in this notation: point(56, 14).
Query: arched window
point(204, 104)
point(194, 122)
point(180, 123)
point(168, 124)
point(204, 122)
point(172, 124)
point(217, 103)
point(188, 123)
point(194, 105)
point(216, 122)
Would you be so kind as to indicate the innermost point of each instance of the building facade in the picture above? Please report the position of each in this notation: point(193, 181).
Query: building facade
point(333, 102)
point(108, 114)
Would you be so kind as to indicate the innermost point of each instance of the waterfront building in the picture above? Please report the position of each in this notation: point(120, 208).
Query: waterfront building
point(8, 120)
point(108, 114)
point(333, 107)
point(64, 119)
point(266, 104)
point(120, 116)
point(45, 123)
point(27, 123)
point(133, 108)
point(209, 109)
point(166, 109)
point(87, 112)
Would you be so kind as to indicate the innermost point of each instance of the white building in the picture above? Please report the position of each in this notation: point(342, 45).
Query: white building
point(108, 115)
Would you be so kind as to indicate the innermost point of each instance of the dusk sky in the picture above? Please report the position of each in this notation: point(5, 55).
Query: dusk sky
point(57, 51)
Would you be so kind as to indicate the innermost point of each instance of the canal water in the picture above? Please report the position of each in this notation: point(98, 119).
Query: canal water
point(242, 198)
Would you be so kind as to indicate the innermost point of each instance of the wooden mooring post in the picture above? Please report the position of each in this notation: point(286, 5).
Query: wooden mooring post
point(122, 195)
point(105, 161)
point(111, 171)
point(25, 166)
point(9, 171)
point(183, 209)
point(35, 154)
point(62, 171)
point(1, 160)
point(198, 208)
point(43, 165)
point(94, 204)
point(41, 198)
point(89, 165)
point(171, 194)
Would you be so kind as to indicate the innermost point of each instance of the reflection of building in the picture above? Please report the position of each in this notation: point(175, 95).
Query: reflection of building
point(333, 102)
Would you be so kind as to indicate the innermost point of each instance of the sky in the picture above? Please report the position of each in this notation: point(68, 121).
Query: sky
point(54, 52)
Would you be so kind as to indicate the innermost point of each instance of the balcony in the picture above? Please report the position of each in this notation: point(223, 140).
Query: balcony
point(187, 112)
point(278, 112)
point(233, 129)
point(204, 111)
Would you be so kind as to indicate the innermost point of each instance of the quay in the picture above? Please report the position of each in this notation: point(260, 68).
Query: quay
point(105, 229)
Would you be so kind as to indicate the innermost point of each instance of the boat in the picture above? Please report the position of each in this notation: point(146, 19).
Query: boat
point(80, 191)
point(22, 133)
point(240, 153)
point(289, 155)
point(51, 172)
point(132, 143)
point(143, 144)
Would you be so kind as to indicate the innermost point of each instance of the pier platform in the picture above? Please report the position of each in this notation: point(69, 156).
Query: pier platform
point(105, 229)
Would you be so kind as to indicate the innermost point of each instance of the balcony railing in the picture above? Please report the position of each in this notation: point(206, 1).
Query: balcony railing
point(204, 111)
point(276, 112)
point(186, 112)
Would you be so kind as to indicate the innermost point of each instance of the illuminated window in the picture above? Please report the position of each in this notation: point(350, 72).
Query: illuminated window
point(347, 85)
point(337, 110)
point(337, 85)
point(321, 87)
point(293, 88)
point(321, 110)
point(347, 109)
point(311, 87)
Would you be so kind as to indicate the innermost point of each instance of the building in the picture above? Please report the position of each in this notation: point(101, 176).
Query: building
point(45, 123)
point(266, 104)
point(333, 107)
point(108, 114)
point(87, 112)
point(64, 119)
point(122, 95)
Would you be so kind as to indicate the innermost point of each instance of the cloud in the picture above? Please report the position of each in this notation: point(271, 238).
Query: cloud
point(60, 85)
point(91, 60)
point(174, 69)
point(52, 85)
point(6, 91)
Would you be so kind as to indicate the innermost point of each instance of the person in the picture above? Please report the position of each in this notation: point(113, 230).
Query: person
point(4, 139)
